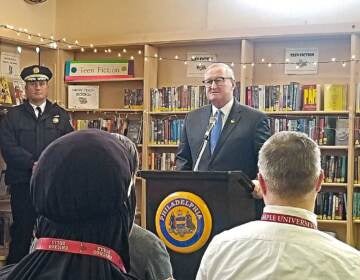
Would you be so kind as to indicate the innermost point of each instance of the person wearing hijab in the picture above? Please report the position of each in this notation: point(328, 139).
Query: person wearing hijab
point(83, 195)
point(149, 257)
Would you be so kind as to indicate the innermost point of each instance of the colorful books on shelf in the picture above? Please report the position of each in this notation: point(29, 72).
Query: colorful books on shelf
point(325, 130)
point(182, 98)
point(335, 97)
point(162, 161)
point(5, 95)
point(331, 206)
point(356, 205)
point(19, 91)
point(311, 96)
point(166, 130)
point(133, 98)
point(335, 168)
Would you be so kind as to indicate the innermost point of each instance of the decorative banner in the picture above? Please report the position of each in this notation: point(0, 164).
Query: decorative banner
point(198, 62)
point(300, 61)
point(183, 221)
point(99, 70)
point(83, 97)
point(10, 64)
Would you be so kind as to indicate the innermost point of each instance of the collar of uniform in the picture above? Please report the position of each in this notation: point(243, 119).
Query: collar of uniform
point(225, 109)
point(293, 211)
point(42, 106)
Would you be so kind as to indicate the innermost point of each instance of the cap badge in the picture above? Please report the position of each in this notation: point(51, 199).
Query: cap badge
point(36, 70)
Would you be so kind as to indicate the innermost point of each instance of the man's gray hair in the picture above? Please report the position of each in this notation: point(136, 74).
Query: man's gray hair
point(290, 163)
point(228, 70)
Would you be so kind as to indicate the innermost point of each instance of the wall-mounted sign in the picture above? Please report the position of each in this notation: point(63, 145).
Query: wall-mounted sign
point(99, 70)
point(10, 64)
point(198, 62)
point(83, 97)
point(300, 61)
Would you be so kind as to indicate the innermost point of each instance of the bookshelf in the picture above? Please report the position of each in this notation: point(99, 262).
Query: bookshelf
point(172, 73)
point(151, 72)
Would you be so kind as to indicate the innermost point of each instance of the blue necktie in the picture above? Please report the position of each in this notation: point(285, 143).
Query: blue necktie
point(216, 131)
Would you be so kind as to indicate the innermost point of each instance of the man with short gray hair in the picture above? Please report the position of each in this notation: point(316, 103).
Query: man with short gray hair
point(285, 243)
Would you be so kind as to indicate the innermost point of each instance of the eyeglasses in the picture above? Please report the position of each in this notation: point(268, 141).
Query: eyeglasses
point(36, 83)
point(219, 81)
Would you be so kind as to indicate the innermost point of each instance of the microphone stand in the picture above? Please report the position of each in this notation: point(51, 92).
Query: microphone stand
point(211, 125)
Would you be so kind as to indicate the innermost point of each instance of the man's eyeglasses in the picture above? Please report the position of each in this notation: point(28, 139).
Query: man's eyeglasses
point(36, 83)
point(219, 81)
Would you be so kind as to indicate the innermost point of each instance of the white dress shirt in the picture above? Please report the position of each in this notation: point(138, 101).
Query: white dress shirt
point(225, 111)
point(42, 106)
point(262, 250)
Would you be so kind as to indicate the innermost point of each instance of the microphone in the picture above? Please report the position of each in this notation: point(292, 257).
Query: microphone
point(212, 122)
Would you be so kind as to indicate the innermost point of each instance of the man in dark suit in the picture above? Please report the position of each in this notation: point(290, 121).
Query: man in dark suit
point(237, 136)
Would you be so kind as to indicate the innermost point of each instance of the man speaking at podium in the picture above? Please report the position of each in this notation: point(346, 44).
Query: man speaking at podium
point(222, 136)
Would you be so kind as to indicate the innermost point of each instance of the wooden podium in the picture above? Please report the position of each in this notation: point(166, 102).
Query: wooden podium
point(227, 195)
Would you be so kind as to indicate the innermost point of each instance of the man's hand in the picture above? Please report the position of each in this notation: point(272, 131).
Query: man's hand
point(257, 193)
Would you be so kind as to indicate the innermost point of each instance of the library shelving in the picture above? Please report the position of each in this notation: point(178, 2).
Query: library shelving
point(161, 65)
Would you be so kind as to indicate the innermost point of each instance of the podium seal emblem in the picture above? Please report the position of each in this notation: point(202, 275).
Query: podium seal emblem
point(183, 221)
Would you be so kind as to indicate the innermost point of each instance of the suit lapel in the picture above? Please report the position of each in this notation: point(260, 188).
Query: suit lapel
point(231, 122)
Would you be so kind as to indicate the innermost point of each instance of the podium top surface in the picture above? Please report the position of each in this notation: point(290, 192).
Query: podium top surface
point(194, 175)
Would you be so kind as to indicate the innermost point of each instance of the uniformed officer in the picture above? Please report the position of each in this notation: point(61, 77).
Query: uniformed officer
point(25, 132)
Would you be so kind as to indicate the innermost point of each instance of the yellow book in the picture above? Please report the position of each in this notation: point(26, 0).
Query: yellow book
point(5, 96)
point(335, 97)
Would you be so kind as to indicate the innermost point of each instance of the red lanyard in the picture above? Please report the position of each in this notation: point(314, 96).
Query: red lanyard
point(82, 248)
point(287, 219)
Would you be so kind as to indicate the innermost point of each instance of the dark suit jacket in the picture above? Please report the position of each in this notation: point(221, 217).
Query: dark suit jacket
point(245, 131)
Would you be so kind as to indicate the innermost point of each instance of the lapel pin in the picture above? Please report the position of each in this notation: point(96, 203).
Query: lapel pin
point(232, 121)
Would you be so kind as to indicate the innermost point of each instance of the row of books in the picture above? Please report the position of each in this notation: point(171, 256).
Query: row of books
point(328, 130)
point(356, 205)
point(162, 161)
point(297, 97)
point(335, 168)
point(133, 98)
point(182, 98)
point(132, 128)
point(356, 169)
point(166, 131)
point(331, 206)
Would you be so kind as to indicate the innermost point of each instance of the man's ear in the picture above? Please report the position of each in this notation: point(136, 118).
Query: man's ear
point(319, 181)
point(262, 184)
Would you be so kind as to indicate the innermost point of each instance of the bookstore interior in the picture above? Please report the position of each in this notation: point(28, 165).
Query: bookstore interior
point(302, 70)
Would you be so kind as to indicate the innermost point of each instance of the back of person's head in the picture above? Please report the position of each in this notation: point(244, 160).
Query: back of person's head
point(81, 191)
point(289, 162)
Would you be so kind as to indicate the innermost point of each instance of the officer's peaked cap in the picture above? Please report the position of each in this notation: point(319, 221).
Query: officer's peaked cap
point(36, 73)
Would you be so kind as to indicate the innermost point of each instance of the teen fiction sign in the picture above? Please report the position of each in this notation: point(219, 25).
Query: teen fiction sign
point(99, 70)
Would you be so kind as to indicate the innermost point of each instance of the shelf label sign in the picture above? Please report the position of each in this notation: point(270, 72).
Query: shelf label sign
point(83, 97)
point(198, 62)
point(301, 61)
point(10, 64)
point(99, 70)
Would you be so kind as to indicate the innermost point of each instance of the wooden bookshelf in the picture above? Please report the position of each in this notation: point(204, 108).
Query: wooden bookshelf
point(154, 73)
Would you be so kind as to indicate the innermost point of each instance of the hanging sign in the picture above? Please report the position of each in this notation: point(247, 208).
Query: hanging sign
point(10, 64)
point(198, 62)
point(99, 70)
point(300, 61)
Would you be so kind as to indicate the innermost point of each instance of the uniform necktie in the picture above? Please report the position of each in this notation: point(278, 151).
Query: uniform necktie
point(39, 111)
point(216, 131)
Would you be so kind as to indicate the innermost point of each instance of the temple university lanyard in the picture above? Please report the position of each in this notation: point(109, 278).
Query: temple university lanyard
point(82, 248)
point(287, 219)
